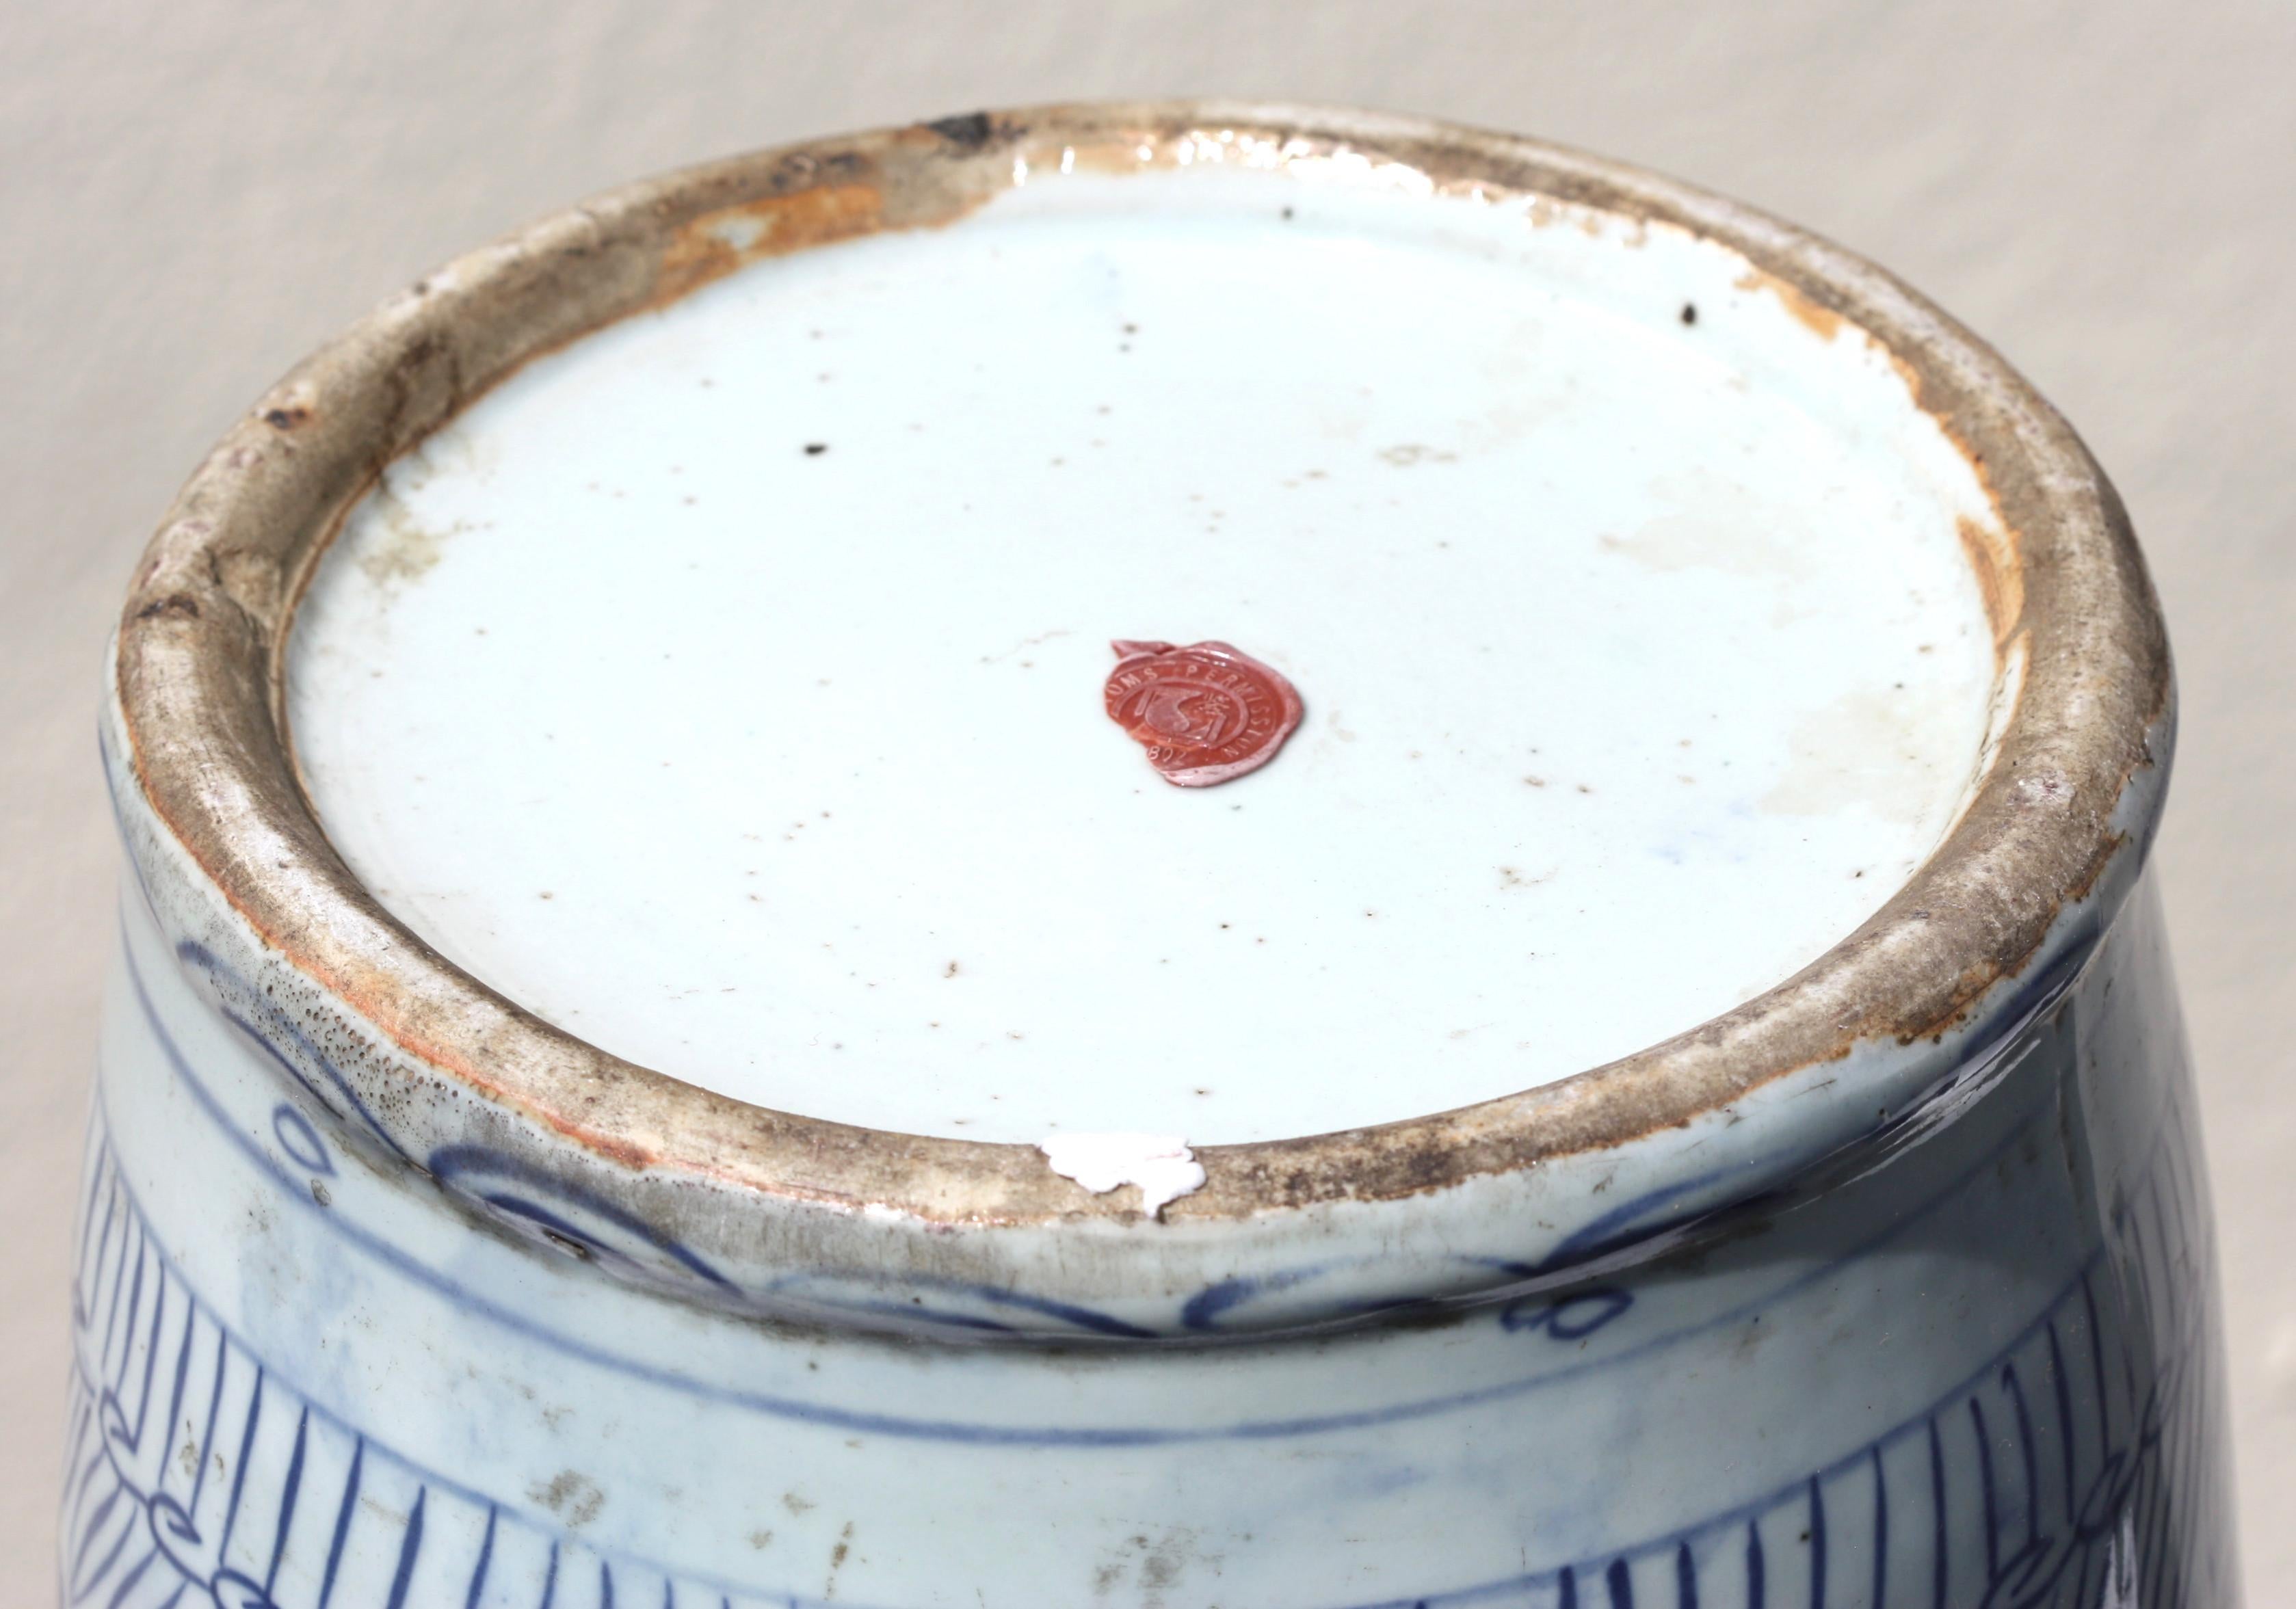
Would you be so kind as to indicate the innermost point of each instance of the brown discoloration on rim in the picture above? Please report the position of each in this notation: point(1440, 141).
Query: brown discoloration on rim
point(203, 625)
point(1992, 557)
point(1813, 315)
point(732, 238)
point(1994, 552)
point(174, 603)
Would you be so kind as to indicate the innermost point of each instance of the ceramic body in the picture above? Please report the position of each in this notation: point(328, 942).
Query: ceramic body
point(1975, 1366)
point(1891, 1285)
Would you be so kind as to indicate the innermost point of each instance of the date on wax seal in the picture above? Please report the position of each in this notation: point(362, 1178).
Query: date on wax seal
point(1206, 714)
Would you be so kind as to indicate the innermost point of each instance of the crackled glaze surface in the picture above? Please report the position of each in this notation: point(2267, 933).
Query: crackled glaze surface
point(725, 689)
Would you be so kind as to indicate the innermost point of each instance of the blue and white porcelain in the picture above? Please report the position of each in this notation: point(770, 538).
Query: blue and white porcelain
point(665, 1051)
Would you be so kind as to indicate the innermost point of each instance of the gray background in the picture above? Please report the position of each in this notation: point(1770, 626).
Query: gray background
point(196, 193)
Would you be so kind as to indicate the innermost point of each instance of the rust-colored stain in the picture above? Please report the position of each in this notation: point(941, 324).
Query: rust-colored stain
point(374, 999)
point(1819, 319)
point(716, 243)
point(1996, 551)
point(2000, 579)
point(1992, 550)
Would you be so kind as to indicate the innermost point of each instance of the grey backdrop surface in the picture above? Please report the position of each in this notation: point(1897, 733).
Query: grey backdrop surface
point(196, 193)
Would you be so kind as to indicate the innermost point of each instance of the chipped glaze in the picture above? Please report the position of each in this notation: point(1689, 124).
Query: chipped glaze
point(1887, 1281)
point(1160, 1165)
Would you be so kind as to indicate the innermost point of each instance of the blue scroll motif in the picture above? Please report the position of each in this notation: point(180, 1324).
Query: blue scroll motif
point(561, 1212)
point(282, 1040)
point(956, 1307)
point(1637, 1226)
point(1572, 1318)
point(961, 1313)
point(299, 1141)
point(569, 1216)
point(2073, 1471)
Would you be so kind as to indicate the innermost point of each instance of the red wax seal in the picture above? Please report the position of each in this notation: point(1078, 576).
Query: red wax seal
point(1205, 714)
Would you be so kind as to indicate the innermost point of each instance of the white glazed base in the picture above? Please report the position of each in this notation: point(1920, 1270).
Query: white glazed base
point(725, 688)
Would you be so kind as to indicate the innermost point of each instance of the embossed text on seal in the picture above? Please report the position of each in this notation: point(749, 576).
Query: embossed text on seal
point(1205, 714)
